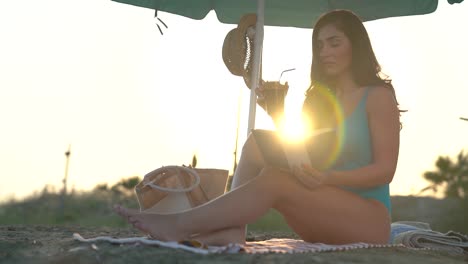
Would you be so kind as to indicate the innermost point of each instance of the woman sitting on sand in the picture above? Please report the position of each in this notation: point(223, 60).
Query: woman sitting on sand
point(347, 201)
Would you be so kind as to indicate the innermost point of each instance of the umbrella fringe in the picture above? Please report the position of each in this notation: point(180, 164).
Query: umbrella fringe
point(162, 22)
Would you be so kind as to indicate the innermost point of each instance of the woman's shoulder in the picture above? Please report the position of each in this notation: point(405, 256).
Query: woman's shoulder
point(381, 96)
point(380, 92)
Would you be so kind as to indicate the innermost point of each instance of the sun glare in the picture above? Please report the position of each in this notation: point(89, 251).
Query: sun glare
point(293, 128)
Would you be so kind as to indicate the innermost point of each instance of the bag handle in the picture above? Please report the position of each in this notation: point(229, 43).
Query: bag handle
point(177, 168)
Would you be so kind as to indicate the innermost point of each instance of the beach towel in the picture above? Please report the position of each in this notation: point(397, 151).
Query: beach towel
point(275, 245)
point(405, 234)
point(420, 235)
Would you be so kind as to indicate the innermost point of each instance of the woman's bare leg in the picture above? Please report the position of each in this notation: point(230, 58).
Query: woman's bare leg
point(233, 209)
point(222, 237)
point(250, 165)
point(215, 238)
point(326, 214)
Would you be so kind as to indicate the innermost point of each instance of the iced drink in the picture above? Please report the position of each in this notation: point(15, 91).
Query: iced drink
point(274, 93)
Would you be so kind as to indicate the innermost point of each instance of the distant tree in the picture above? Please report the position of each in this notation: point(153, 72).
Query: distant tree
point(130, 183)
point(451, 174)
point(194, 161)
point(125, 186)
point(101, 187)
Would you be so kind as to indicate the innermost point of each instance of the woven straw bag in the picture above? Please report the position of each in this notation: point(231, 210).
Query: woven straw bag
point(171, 189)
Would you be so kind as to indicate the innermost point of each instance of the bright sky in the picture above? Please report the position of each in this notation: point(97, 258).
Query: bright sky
point(98, 75)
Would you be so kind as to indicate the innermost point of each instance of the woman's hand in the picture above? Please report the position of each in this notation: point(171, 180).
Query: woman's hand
point(309, 176)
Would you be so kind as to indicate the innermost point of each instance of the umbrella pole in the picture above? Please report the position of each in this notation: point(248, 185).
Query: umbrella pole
point(258, 46)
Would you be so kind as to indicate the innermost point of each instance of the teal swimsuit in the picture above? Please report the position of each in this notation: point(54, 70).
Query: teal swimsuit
point(356, 146)
point(356, 150)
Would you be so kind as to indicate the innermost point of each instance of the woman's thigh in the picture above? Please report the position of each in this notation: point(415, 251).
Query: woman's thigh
point(331, 215)
point(250, 164)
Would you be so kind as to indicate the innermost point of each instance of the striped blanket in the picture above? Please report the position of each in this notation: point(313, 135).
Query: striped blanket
point(415, 235)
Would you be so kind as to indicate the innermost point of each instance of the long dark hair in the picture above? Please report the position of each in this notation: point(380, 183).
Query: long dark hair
point(365, 68)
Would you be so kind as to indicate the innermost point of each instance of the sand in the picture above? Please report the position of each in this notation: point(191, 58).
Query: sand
point(54, 244)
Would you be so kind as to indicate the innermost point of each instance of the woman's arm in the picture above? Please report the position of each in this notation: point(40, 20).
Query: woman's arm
point(275, 116)
point(384, 125)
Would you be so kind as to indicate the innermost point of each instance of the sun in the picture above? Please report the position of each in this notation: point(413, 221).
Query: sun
point(293, 128)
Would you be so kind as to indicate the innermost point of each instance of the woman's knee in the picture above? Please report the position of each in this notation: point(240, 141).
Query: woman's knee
point(251, 151)
point(278, 181)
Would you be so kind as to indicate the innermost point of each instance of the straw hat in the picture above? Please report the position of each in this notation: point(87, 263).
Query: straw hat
point(232, 53)
point(238, 48)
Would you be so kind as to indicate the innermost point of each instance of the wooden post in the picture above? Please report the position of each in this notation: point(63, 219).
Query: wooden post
point(64, 191)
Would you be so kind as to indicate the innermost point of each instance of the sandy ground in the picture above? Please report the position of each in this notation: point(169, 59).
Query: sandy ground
point(54, 244)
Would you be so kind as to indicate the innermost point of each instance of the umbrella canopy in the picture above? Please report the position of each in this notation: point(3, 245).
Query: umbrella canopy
point(290, 13)
point(285, 13)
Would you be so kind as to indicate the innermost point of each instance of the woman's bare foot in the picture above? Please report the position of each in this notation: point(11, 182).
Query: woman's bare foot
point(161, 227)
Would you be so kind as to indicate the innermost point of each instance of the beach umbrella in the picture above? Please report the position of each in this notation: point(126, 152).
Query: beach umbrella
point(283, 13)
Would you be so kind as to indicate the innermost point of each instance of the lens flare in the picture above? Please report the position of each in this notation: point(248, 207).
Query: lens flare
point(294, 129)
point(304, 129)
point(336, 114)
